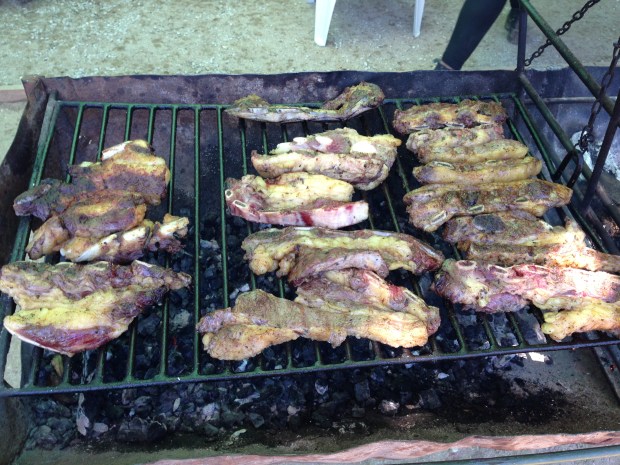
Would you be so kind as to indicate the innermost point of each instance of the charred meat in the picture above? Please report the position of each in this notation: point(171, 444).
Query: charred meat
point(340, 154)
point(500, 149)
point(467, 113)
point(130, 166)
point(429, 139)
point(70, 308)
point(95, 215)
point(351, 102)
point(298, 199)
point(431, 206)
point(510, 228)
point(441, 172)
point(357, 303)
point(278, 249)
point(570, 255)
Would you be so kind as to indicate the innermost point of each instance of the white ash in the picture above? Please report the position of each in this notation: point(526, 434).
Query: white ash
point(612, 163)
point(245, 288)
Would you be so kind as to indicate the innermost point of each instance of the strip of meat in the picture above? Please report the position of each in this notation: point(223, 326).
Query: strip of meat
point(467, 113)
point(500, 149)
point(452, 137)
point(298, 199)
point(351, 102)
point(123, 247)
point(581, 315)
point(441, 172)
point(568, 255)
point(94, 215)
point(491, 288)
point(431, 206)
point(340, 154)
point(511, 228)
point(311, 262)
point(70, 308)
point(130, 166)
point(259, 320)
point(277, 249)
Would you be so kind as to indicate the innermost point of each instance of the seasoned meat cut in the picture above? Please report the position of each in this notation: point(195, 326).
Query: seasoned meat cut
point(351, 102)
point(467, 113)
point(95, 215)
point(428, 139)
point(298, 199)
point(500, 149)
point(431, 206)
point(569, 254)
point(130, 166)
point(441, 172)
point(355, 303)
point(69, 308)
point(340, 154)
point(278, 249)
point(511, 228)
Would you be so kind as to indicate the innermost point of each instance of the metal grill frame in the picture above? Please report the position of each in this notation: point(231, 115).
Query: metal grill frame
point(431, 353)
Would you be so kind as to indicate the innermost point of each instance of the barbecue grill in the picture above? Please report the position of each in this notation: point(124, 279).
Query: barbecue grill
point(69, 121)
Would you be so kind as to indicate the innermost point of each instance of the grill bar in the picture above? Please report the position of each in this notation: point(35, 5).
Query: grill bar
point(217, 142)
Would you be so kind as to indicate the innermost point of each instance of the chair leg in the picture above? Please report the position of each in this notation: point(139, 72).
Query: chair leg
point(417, 17)
point(322, 19)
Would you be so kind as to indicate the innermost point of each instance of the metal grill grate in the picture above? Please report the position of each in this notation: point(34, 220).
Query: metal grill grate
point(203, 146)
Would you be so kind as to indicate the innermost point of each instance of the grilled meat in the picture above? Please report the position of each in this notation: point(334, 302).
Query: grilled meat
point(431, 206)
point(467, 113)
point(428, 139)
point(380, 312)
point(70, 308)
point(295, 199)
point(441, 172)
point(351, 289)
point(94, 215)
point(340, 154)
point(491, 288)
point(569, 255)
point(130, 166)
point(513, 238)
point(351, 102)
point(500, 149)
point(510, 228)
point(123, 247)
point(581, 315)
point(270, 249)
point(311, 262)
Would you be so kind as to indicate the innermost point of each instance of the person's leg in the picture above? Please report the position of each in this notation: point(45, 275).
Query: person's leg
point(474, 21)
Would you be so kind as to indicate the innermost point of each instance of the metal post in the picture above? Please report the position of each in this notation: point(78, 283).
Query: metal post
point(602, 154)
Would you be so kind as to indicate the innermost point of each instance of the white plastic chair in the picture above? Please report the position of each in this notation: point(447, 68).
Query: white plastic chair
point(324, 9)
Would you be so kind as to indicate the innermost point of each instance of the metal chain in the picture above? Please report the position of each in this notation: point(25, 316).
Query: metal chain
point(565, 27)
point(587, 133)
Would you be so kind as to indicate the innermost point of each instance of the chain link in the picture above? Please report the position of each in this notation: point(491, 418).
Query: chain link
point(565, 27)
point(587, 133)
